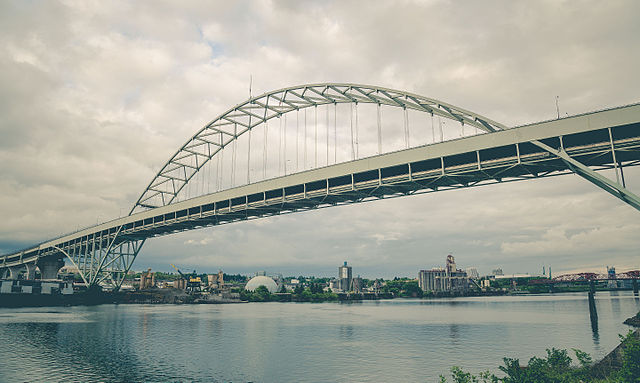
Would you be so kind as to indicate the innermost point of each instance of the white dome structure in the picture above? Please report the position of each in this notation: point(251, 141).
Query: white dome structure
point(261, 280)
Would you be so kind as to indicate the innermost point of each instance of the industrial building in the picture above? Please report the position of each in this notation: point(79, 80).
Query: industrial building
point(448, 279)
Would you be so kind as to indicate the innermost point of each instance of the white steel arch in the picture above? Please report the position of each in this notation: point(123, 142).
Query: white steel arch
point(227, 127)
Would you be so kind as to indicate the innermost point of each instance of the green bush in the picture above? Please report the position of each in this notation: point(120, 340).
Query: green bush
point(630, 371)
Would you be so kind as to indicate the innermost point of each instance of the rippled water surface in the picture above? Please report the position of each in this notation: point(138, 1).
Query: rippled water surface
point(395, 340)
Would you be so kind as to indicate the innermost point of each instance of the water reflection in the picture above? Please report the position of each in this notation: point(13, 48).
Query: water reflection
point(615, 302)
point(454, 332)
point(85, 351)
point(346, 332)
point(367, 341)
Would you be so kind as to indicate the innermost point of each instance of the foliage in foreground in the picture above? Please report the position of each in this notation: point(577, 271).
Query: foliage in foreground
point(556, 367)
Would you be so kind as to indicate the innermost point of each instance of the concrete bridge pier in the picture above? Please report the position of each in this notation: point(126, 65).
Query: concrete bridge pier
point(635, 286)
point(30, 270)
point(49, 266)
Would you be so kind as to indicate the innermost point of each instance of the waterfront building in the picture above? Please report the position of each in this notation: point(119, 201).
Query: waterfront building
point(377, 286)
point(432, 280)
point(216, 281)
point(446, 279)
point(179, 284)
point(147, 280)
point(344, 277)
point(293, 283)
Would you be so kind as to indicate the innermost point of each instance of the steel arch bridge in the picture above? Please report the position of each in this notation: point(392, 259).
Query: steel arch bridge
point(104, 253)
point(243, 118)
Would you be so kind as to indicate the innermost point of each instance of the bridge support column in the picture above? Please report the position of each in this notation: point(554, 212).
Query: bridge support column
point(31, 271)
point(592, 287)
point(635, 286)
point(593, 312)
point(49, 267)
point(13, 272)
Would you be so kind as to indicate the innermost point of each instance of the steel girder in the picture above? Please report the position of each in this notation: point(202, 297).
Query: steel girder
point(240, 119)
point(102, 260)
point(611, 187)
point(483, 172)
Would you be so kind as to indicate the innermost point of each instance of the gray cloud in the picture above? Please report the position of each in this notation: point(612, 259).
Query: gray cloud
point(95, 96)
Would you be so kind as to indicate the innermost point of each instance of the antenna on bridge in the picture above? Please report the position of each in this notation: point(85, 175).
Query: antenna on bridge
point(557, 108)
point(250, 83)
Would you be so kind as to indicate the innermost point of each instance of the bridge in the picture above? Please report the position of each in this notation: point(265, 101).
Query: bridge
point(180, 198)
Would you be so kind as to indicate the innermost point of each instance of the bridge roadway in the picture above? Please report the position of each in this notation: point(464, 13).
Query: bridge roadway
point(593, 139)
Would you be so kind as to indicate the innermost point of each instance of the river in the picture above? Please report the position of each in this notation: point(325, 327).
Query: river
point(407, 340)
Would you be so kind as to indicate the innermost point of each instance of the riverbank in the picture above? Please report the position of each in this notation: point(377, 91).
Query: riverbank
point(622, 364)
point(633, 321)
point(92, 298)
point(619, 360)
point(175, 296)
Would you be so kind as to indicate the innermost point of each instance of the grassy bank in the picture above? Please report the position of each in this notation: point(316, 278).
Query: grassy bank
point(621, 365)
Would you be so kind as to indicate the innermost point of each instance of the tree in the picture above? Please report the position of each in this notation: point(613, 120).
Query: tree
point(315, 288)
point(630, 371)
point(262, 294)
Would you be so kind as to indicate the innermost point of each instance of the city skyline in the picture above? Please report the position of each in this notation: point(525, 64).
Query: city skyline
point(293, 272)
point(115, 98)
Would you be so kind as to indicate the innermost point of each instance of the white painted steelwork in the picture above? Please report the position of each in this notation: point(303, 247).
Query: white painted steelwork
point(608, 139)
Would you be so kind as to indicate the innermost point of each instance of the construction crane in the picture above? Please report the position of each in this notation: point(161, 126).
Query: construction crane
point(194, 283)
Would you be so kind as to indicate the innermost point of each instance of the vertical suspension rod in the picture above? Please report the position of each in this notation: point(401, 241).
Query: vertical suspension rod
point(353, 148)
point(379, 130)
point(221, 162)
point(233, 155)
point(315, 151)
point(297, 138)
point(284, 144)
point(249, 154)
point(304, 140)
point(327, 130)
point(357, 139)
point(264, 150)
point(280, 146)
point(406, 127)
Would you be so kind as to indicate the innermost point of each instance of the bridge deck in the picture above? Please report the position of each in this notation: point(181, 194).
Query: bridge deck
point(501, 156)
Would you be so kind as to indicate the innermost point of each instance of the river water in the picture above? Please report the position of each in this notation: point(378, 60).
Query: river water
point(405, 340)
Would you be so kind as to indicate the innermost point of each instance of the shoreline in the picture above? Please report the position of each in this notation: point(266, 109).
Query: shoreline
point(170, 296)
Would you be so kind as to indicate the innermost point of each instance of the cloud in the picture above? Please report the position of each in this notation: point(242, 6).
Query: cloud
point(94, 101)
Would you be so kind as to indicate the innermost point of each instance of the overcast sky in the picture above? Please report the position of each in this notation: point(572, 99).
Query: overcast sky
point(95, 96)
